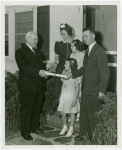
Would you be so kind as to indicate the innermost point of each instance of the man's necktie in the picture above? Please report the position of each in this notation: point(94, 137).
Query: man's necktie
point(87, 53)
point(34, 50)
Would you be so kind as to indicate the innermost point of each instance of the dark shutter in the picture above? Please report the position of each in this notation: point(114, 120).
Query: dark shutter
point(43, 30)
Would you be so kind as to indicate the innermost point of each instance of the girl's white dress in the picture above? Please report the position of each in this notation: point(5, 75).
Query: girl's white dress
point(68, 95)
point(79, 56)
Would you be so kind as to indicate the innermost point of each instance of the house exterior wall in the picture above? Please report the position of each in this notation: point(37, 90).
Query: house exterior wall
point(73, 15)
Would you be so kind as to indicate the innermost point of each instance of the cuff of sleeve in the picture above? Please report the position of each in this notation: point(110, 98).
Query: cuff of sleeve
point(102, 91)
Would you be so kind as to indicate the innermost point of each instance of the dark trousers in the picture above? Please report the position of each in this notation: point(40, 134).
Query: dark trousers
point(90, 104)
point(31, 105)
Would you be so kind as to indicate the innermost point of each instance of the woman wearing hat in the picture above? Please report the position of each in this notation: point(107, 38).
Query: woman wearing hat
point(62, 52)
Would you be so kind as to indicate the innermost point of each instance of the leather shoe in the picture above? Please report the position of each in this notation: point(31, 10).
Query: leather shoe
point(27, 137)
point(78, 138)
point(38, 131)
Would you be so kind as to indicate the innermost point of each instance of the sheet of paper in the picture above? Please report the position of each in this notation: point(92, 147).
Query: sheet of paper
point(49, 73)
point(61, 75)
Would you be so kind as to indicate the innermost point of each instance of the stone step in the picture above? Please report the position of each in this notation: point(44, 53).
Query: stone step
point(49, 137)
point(56, 121)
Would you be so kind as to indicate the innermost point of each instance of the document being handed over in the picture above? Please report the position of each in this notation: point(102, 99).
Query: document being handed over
point(54, 74)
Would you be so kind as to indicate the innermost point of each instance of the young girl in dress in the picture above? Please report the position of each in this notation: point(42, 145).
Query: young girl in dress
point(68, 103)
point(78, 54)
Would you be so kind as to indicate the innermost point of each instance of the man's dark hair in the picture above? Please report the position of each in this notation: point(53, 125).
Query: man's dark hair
point(89, 29)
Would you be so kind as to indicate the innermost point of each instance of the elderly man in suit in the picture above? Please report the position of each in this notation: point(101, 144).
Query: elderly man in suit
point(31, 85)
point(94, 83)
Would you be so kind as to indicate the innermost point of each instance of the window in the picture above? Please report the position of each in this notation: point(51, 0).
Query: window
point(6, 36)
point(23, 24)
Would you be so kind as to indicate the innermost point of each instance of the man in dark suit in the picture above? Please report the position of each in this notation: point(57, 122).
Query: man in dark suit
point(31, 85)
point(94, 83)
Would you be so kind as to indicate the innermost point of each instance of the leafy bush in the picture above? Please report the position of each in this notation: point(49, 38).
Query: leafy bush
point(11, 81)
point(106, 131)
point(12, 105)
point(50, 105)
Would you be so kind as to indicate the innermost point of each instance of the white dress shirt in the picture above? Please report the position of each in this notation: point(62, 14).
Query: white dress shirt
point(90, 47)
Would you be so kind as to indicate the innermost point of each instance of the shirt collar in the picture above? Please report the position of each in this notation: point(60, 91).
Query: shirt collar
point(29, 46)
point(90, 46)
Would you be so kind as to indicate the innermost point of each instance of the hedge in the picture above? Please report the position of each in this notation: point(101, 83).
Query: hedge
point(12, 105)
point(106, 131)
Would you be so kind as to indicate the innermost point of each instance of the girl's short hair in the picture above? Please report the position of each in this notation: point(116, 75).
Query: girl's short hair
point(73, 64)
point(78, 44)
point(67, 28)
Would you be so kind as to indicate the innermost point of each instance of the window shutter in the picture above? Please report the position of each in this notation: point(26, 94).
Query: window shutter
point(43, 30)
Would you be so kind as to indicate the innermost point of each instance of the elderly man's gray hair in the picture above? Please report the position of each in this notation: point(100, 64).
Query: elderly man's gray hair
point(29, 34)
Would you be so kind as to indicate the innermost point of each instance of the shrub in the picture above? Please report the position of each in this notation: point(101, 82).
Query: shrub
point(11, 81)
point(106, 131)
point(12, 105)
point(50, 105)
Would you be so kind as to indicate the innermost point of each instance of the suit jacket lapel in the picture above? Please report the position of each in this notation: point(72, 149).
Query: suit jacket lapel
point(86, 59)
point(38, 55)
point(32, 53)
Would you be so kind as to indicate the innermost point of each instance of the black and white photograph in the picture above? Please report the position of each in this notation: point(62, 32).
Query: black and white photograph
point(61, 73)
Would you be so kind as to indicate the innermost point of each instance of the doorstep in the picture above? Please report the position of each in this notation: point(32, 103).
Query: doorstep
point(56, 121)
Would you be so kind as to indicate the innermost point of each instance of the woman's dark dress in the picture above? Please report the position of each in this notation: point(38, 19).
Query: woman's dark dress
point(64, 51)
